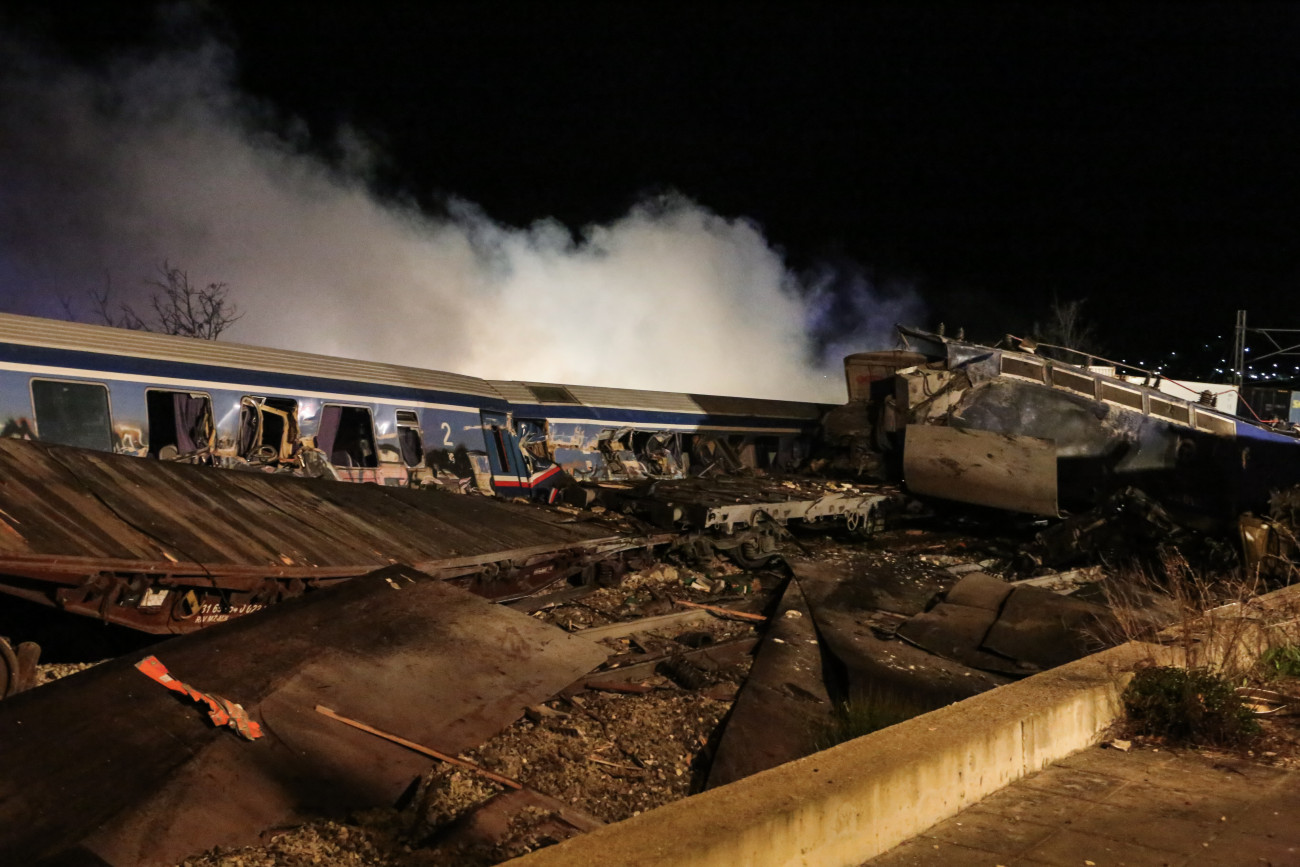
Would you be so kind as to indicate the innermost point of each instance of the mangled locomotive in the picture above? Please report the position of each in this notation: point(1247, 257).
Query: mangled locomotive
point(1005, 427)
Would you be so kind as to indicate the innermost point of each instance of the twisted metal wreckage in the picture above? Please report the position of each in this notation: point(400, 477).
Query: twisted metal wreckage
point(167, 547)
point(1007, 428)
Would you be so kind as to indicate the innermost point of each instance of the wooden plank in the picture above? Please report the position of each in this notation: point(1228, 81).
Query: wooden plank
point(420, 748)
point(645, 624)
point(725, 612)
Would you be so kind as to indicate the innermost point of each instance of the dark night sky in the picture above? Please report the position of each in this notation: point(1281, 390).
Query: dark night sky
point(1141, 156)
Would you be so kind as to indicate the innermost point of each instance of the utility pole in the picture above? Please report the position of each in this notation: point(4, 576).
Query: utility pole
point(1239, 350)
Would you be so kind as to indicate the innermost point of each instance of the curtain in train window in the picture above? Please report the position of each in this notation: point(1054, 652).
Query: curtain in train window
point(72, 414)
point(347, 435)
point(180, 423)
point(409, 438)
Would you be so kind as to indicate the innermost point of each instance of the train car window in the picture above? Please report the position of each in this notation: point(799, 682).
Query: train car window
point(250, 427)
point(180, 423)
point(767, 452)
point(552, 394)
point(72, 414)
point(347, 435)
point(533, 438)
point(410, 438)
point(663, 454)
point(268, 427)
point(499, 439)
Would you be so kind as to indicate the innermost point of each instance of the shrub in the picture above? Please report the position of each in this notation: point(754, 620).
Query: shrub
point(1282, 661)
point(1193, 705)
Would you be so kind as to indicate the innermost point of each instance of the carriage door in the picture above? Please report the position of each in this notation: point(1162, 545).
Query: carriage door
point(509, 468)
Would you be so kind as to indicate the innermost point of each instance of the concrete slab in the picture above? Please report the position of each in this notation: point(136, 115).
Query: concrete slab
point(1235, 850)
point(1076, 848)
point(1226, 783)
point(1135, 765)
point(1190, 805)
point(989, 831)
point(1161, 827)
point(926, 852)
point(1075, 783)
point(1032, 805)
point(1121, 809)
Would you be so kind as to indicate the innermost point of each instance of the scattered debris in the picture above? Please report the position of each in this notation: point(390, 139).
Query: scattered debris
point(221, 711)
point(1264, 702)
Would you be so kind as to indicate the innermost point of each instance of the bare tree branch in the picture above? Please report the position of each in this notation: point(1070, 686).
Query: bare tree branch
point(1066, 326)
point(178, 307)
point(182, 308)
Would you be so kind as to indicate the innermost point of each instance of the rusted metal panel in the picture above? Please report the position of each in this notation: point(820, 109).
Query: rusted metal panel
point(141, 778)
point(987, 469)
point(784, 703)
point(116, 532)
point(845, 600)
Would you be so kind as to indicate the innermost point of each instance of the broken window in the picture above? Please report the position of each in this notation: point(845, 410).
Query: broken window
point(180, 423)
point(711, 453)
point(409, 438)
point(498, 439)
point(620, 459)
point(72, 414)
point(533, 438)
point(659, 451)
point(347, 435)
point(767, 452)
point(268, 428)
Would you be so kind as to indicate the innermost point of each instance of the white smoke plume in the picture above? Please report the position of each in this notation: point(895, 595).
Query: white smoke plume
point(106, 175)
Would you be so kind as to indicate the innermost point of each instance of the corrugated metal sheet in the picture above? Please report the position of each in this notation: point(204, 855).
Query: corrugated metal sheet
point(60, 503)
point(32, 331)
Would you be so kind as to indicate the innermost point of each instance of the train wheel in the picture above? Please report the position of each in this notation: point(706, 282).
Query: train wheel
point(8, 669)
point(17, 668)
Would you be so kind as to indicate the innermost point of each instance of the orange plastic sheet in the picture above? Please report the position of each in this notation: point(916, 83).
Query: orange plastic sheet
point(221, 711)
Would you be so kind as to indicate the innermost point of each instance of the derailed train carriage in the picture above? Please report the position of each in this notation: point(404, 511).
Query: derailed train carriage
point(175, 398)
